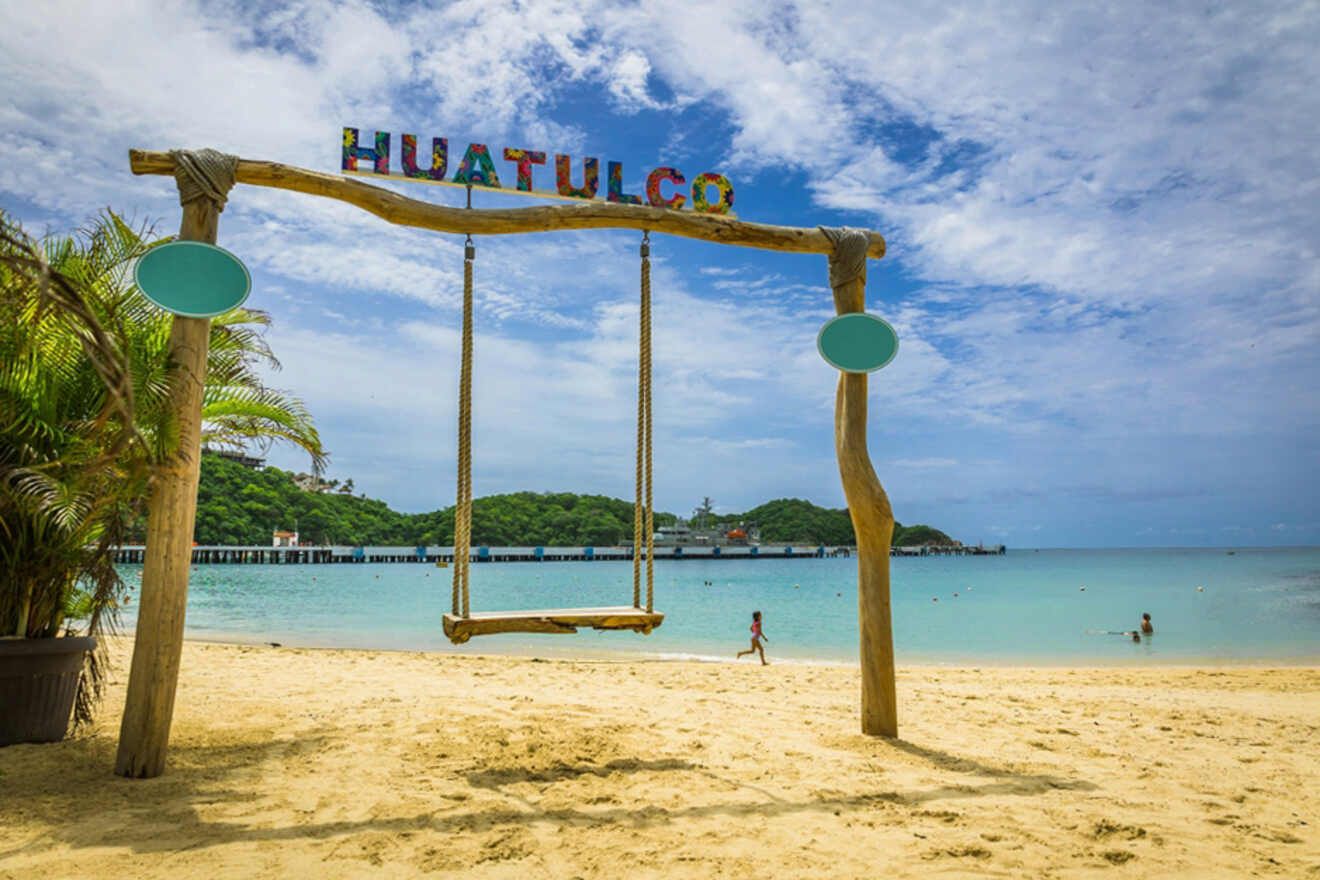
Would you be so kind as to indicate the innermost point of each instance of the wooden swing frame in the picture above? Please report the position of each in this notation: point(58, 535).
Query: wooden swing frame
point(158, 643)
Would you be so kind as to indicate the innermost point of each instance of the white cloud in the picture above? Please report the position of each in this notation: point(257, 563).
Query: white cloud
point(627, 81)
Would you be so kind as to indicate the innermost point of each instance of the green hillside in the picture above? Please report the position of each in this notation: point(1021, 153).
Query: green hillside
point(237, 505)
point(788, 520)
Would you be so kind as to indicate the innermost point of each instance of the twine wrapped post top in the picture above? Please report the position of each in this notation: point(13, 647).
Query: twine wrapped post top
point(208, 174)
point(848, 262)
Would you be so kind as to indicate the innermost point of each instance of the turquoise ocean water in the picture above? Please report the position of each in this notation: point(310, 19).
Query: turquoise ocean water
point(1257, 605)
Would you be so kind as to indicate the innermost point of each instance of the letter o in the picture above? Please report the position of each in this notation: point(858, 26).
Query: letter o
point(699, 201)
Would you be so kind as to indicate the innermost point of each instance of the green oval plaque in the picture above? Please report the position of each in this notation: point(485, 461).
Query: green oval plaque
point(857, 343)
point(193, 278)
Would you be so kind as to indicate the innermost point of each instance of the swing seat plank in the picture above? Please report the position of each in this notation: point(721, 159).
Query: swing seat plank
point(561, 620)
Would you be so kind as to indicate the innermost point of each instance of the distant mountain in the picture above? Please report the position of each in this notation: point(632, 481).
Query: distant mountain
point(239, 505)
point(789, 520)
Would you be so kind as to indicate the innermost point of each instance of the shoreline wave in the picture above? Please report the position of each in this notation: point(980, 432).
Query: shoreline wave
point(562, 654)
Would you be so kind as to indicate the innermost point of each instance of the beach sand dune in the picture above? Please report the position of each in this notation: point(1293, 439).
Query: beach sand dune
point(319, 763)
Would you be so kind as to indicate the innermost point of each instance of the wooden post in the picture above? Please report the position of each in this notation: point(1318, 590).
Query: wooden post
point(873, 521)
point(144, 732)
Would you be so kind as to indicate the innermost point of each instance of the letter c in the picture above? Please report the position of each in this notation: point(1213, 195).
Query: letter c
point(674, 202)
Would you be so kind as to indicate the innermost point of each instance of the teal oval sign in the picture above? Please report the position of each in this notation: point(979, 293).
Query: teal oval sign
point(857, 343)
point(193, 278)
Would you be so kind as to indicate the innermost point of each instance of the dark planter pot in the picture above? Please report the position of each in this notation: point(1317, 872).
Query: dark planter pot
point(38, 681)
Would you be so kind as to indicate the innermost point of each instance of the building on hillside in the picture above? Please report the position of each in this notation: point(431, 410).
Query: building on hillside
point(242, 458)
point(285, 539)
point(311, 483)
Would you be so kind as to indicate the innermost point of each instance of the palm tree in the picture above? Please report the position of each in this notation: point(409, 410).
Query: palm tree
point(85, 420)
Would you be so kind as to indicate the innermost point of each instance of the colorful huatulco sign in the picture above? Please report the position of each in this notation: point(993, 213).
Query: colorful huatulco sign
point(857, 343)
point(710, 193)
point(193, 279)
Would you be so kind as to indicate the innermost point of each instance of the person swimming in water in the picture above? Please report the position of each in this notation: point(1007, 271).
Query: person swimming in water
point(1146, 626)
point(757, 635)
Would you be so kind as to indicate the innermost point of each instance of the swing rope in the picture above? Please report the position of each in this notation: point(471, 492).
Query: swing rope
point(643, 515)
point(642, 512)
point(463, 504)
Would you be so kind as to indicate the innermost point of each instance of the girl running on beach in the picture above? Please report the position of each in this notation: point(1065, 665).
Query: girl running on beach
point(757, 635)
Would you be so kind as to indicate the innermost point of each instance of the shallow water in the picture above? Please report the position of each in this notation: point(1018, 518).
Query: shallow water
point(1024, 607)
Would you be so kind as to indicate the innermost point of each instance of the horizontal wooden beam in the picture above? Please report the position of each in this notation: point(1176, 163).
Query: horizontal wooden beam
point(404, 211)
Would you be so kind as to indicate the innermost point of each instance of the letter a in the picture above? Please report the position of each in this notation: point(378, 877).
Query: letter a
point(469, 173)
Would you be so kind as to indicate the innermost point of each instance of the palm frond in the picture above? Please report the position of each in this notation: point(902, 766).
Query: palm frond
point(86, 418)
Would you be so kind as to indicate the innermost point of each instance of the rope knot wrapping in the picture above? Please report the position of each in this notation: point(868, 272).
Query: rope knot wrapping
point(848, 262)
point(207, 174)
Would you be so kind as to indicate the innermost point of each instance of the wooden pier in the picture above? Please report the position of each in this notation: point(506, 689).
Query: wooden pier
point(259, 555)
point(949, 550)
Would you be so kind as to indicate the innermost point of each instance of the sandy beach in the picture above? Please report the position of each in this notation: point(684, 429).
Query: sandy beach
point(297, 763)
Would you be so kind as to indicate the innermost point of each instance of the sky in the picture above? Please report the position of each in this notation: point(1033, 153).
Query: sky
point(1101, 224)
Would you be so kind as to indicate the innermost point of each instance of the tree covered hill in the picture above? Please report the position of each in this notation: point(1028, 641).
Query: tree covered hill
point(237, 505)
point(786, 520)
